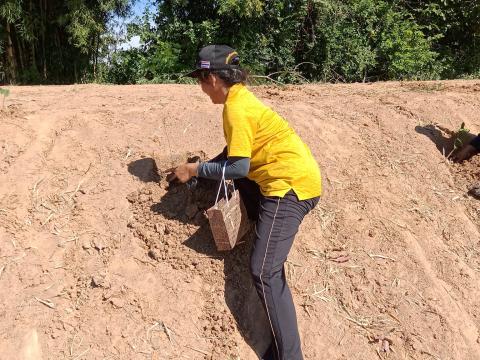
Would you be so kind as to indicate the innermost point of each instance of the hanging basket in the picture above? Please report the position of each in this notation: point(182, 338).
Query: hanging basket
point(228, 218)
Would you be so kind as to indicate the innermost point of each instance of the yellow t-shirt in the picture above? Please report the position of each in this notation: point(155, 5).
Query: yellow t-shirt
point(279, 159)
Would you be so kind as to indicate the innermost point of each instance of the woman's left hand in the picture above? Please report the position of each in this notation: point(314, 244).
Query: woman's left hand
point(466, 152)
point(185, 172)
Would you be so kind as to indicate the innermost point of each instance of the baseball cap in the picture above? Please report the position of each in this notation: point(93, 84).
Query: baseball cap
point(215, 57)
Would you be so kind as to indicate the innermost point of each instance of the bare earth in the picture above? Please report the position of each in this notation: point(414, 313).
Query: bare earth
point(98, 260)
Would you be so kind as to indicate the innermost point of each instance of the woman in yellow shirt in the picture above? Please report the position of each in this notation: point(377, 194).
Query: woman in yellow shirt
point(278, 179)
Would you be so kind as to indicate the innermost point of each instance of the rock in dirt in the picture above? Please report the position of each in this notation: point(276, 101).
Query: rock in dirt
point(475, 192)
point(160, 228)
point(153, 254)
point(117, 302)
point(99, 244)
point(384, 346)
point(100, 280)
point(144, 198)
point(167, 230)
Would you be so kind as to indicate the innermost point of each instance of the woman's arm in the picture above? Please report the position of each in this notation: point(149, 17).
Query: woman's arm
point(468, 150)
point(476, 143)
point(235, 168)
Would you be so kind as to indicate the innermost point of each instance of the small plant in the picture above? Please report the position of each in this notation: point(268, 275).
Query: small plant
point(462, 135)
point(5, 93)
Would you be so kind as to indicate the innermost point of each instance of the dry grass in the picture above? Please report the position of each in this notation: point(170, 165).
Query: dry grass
point(324, 216)
point(54, 201)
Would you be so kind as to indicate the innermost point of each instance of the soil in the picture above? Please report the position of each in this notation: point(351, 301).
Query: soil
point(100, 258)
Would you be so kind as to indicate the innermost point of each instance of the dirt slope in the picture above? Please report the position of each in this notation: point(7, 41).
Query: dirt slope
point(99, 261)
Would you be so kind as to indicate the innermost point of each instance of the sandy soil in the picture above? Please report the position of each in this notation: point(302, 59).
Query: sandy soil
point(98, 260)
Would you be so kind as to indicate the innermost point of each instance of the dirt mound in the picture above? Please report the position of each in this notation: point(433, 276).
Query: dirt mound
point(103, 259)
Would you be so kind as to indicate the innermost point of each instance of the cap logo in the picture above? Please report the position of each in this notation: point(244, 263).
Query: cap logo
point(204, 64)
point(230, 56)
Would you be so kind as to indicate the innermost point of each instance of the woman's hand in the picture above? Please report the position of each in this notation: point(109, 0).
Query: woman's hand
point(184, 172)
point(466, 152)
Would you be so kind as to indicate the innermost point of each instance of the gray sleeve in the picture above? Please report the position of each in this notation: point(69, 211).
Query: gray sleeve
point(236, 167)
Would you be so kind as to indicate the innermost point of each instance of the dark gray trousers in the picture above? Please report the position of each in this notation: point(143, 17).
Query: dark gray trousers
point(277, 224)
point(277, 221)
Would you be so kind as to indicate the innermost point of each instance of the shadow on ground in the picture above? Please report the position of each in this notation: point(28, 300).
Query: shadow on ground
point(144, 169)
point(444, 139)
point(240, 294)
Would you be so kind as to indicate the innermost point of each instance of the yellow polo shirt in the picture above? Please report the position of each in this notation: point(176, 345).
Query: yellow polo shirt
point(279, 159)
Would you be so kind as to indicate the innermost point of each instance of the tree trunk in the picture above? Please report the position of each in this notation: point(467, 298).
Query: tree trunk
point(11, 57)
point(21, 54)
point(33, 62)
point(62, 73)
point(96, 57)
point(75, 72)
point(43, 16)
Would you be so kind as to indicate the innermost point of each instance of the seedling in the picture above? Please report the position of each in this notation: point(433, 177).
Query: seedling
point(5, 93)
point(461, 136)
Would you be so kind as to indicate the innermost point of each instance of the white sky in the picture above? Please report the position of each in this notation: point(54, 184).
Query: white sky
point(138, 9)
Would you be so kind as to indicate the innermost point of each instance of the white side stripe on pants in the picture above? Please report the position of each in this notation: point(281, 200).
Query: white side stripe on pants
point(261, 274)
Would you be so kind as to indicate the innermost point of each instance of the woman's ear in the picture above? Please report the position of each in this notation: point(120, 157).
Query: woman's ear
point(212, 79)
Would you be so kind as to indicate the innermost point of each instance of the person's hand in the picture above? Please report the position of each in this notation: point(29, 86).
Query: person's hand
point(184, 172)
point(466, 152)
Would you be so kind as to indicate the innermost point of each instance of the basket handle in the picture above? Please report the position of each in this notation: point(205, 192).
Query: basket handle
point(224, 183)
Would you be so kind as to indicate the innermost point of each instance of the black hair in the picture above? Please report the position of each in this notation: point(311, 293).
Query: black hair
point(230, 76)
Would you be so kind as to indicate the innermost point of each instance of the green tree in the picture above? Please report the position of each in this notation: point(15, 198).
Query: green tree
point(53, 41)
point(455, 26)
point(359, 40)
point(293, 40)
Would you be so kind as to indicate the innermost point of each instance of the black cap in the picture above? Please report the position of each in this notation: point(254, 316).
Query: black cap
point(215, 57)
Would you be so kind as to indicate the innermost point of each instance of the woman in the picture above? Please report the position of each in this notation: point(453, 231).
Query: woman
point(469, 150)
point(278, 179)
point(472, 148)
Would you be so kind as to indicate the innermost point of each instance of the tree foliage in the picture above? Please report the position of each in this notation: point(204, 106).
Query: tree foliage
point(319, 40)
point(288, 40)
point(53, 41)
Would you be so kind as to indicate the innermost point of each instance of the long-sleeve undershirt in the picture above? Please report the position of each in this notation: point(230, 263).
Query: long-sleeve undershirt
point(235, 168)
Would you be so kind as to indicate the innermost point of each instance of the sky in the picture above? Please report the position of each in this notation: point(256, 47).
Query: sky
point(140, 5)
point(138, 9)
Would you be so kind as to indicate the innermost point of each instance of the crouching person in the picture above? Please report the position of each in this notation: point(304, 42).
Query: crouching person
point(278, 180)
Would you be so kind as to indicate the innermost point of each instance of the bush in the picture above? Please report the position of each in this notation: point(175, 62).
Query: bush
point(372, 40)
point(123, 67)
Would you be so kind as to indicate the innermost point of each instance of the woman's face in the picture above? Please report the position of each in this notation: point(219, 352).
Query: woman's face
point(214, 88)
